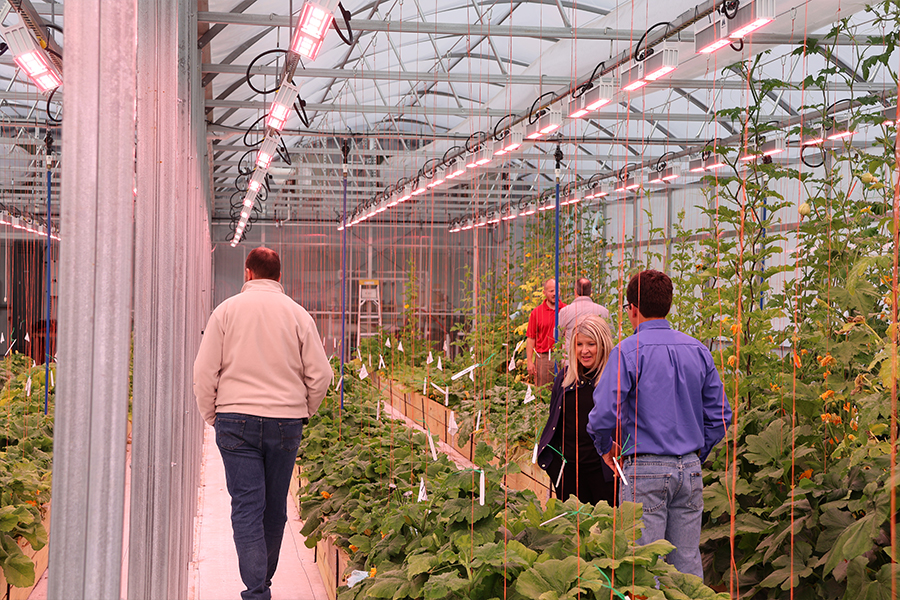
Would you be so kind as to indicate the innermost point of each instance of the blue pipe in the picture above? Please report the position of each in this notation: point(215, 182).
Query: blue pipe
point(344, 282)
point(556, 310)
point(47, 298)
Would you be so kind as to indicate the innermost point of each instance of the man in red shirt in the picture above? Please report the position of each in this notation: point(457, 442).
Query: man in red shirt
point(540, 336)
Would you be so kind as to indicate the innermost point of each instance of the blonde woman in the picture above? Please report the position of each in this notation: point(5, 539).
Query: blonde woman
point(565, 450)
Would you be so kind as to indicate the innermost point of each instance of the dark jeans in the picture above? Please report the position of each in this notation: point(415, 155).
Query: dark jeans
point(259, 455)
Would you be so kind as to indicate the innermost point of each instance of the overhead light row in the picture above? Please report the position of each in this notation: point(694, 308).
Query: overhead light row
point(31, 57)
point(722, 31)
point(315, 19)
point(24, 224)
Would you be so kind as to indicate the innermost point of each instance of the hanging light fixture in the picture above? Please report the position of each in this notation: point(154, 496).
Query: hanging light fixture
point(750, 17)
point(840, 129)
point(667, 174)
point(711, 36)
point(696, 165)
point(512, 141)
point(266, 152)
point(31, 57)
point(631, 78)
point(315, 18)
point(545, 125)
point(662, 62)
point(281, 107)
point(600, 94)
point(437, 178)
point(457, 168)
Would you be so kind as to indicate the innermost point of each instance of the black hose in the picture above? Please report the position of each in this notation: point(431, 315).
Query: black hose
point(49, 114)
point(532, 117)
point(250, 68)
point(641, 56)
point(348, 39)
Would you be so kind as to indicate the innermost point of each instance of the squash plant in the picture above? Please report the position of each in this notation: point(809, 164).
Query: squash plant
point(362, 480)
point(26, 446)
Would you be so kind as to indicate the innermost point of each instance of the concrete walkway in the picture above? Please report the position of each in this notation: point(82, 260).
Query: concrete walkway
point(214, 570)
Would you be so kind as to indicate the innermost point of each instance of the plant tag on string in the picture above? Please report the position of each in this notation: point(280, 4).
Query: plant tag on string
point(431, 445)
point(378, 410)
point(28, 386)
point(11, 343)
point(512, 363)
point(529, 396)
point(430, 358)
point(370, 360)
point(464, 372)
point(27, 338)
point(363, 373)
point(446, 393)
point(472, 376)
point(400, 345)
point(439, 366)
point(381, 365)
point(518, 347)
point(481, 490)
point(387, 343)
point(423, 495)
point(359, 355)
point(534, 455)
point(2, 339)
point(452, 426)
point(51, 379)
point(561, 469)
point(619, 469)
point(478, 423)
point(337, 385)
point(424, 386)
point(446, 346)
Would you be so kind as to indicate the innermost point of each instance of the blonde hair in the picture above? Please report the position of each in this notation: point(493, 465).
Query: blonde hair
point(596, 329)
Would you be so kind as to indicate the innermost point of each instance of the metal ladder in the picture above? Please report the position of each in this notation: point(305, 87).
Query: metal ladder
point(369, 295)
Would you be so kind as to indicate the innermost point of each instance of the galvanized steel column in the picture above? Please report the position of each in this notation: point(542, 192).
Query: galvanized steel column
point(95, 299)
point(172, 254)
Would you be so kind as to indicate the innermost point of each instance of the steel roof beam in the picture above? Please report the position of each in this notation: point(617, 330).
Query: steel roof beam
point(467, 29)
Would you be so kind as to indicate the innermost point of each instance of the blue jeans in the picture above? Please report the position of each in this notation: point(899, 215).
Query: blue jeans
point(671, 491)
point(259, 455)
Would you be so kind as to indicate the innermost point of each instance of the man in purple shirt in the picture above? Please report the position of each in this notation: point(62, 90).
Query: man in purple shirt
point(661, 403)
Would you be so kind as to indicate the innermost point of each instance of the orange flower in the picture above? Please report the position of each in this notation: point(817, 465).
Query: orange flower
point(353, 548)
point(804, 352)
point(826, 360)
point(797, 362)
point(775, 387)
point(827, 394)
point(732, 360)
point(372, 572)
point(854, 426)
point(326, 495)
point(825, 417)
point(735, 329)
point(827, 373)
point(847, 406)
point(807, 474)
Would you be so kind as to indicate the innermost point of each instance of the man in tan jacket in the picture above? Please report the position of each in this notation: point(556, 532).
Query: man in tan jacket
point(260, 373)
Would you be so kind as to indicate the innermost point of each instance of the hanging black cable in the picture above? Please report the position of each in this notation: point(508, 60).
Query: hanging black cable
point(261, 133)
point(661, 164)
point(300, 109)
point(449, 150)
point(532, 116)
point(812, 165)
point(50, 116)
point(348, 39)
point(250, 68)
point(729, 8)
point(505, 132)
point(640, 55)
point(483, 137)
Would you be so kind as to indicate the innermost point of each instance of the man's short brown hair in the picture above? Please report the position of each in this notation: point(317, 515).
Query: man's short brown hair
point(264, 263)
point(651, 292)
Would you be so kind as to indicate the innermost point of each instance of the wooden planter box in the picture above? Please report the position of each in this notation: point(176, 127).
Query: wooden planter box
point(331, 560)
point(435, 417)
point(39, 558)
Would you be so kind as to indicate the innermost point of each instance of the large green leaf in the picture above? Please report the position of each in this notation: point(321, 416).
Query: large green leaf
point(17, 568)
point(556, 576)
point(856, 539)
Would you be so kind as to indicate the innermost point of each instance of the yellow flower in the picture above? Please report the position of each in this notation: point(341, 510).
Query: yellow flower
point(372, 572)
point(353, 548)
point(406, 306)
point(609, 255)
point(732, 360)
point(735, 329)
point(826, 360)
point(827, 394)
point(775, 387)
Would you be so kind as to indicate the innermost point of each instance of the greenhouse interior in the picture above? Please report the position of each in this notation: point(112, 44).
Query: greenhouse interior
point(353, 288)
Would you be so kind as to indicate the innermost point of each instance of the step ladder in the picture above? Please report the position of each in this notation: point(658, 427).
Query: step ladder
point(368, 321)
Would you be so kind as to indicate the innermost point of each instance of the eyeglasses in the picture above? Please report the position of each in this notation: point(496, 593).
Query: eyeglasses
point(627, 306)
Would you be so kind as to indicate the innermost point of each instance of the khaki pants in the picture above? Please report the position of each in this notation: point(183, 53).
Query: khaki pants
point(544, 369)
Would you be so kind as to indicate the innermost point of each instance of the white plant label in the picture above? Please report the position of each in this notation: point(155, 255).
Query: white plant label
point(424, 386)
point(2, 339)
point(423, 495)
point(619, 469)
point(400, 345)
point(529, 396)
point(472, 376)
point(481, 491)
point(464, 372)
point(28, 386)
point(363, 373)
point(446, 393)
point(381, 364)
point(512, 363)
point(452, 427)
point(430, 358)
point(439, 367)
point(51, 379)
point(534, 455)
point(337, 385)
point(27, 338)
point(446, 346)
point(359, 355)
point(378, 411)
point(518, 347)
point(561, 469)
point(431, 445)
point(387, 343)
point(478, 422)
point(8, 350)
